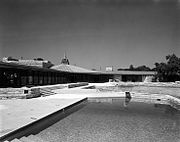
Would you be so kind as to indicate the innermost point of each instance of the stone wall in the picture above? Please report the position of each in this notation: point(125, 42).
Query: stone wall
point(19, 93)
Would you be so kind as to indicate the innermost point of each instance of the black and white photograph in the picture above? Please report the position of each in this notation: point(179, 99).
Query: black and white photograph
point(90, 70)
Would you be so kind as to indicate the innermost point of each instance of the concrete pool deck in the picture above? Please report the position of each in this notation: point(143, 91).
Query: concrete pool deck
point(20, 112)
point(17, 113)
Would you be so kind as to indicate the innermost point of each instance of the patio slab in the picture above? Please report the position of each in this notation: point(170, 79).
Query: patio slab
point(17, 113)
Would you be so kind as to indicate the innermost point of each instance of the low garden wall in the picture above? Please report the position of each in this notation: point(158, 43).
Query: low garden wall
point(27, 93)
point(19, 93)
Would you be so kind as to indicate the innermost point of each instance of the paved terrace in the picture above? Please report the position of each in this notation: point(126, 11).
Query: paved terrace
point(16, 113)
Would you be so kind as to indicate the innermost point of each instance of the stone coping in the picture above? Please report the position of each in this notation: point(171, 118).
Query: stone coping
point(20, 112)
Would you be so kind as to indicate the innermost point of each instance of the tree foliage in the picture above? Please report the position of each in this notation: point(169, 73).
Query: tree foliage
point(142, 68)
point(38, 59)
point(139, 68)
point(169, 71)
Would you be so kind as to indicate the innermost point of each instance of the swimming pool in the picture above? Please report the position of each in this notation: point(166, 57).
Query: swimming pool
point(112, 122)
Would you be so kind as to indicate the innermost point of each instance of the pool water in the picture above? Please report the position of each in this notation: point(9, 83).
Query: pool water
point(111, 122)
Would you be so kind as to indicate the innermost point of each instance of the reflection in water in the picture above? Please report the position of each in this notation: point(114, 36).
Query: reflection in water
point(173, 114)
point(127, 99)
point(170, 111)
point(111, 122)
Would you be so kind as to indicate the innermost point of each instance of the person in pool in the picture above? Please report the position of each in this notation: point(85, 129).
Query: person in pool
point(127, 99)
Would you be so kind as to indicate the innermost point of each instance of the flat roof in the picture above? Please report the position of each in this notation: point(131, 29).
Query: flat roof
point(17, 66)
point(73, 69)
point(131, 72)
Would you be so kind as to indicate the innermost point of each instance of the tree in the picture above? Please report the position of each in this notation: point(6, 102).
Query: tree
point(11, 59)
point(169, 71)
point(39, 59)
point(131, 67)
point(143, 68)
point(139, 68)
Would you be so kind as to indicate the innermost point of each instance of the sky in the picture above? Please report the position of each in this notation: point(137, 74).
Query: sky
point(93, 33)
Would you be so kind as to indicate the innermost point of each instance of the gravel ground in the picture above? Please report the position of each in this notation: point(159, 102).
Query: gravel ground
point(111, 122)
